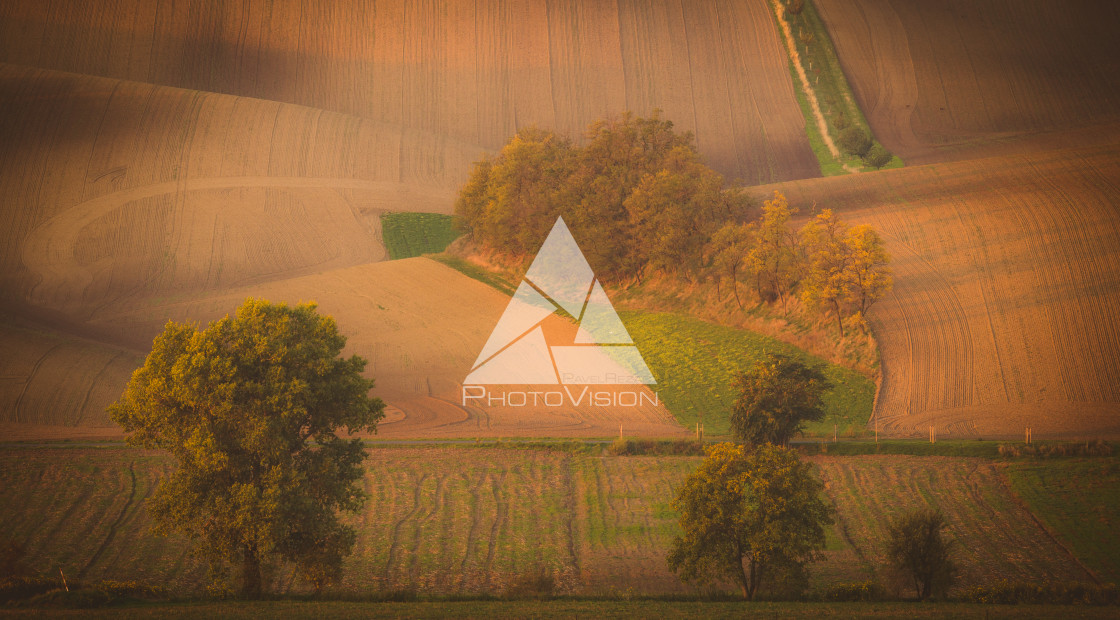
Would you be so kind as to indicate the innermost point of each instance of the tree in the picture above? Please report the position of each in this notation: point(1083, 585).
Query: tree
point(726, 252)
point(827, 265)
point(868, 276)
point(918, 552)
point(773, 258)
point(878, 156)
point(749, 518)
point(675, 211)
point(854, 141)
point(250, 408)
point(776, 397)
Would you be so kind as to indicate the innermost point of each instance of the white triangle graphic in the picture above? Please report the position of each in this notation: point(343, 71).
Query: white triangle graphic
point(517, 351)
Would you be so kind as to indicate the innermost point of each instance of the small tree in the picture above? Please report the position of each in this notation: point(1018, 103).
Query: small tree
point(919, 553)
point(877, 156)
point(773, 258)
point(726, 252)
point(749, 518)
point(776, 397)
point(250, 408)
point(854, 141)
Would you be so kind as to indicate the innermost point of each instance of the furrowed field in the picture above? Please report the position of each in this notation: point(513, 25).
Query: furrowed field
point(1003, 313)
point(943, 81)
point(509, 520)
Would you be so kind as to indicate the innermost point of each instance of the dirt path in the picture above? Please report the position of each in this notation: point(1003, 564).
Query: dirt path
point(806, 87)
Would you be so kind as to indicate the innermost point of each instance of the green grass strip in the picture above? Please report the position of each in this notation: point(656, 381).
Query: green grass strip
point(694, 361)
point(414, 234)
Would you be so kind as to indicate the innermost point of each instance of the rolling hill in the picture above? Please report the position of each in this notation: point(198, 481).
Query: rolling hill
point(942, 81)
point(1007, 284)
point(472, 71)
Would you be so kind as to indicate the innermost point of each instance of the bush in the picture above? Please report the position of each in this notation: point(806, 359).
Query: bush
point(20, 588)
point(75, 598)
point(855, 141)
point(864, 591)
point(839, 121)
point(1053, 450)
point(878, 156)
point(1048, 593)
point(655, 447)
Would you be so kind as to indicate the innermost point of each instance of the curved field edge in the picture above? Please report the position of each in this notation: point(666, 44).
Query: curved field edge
point(694, 362)
point(1079, 500)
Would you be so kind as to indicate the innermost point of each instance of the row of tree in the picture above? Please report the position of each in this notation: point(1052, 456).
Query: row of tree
point(836, 268)
point(640, 199)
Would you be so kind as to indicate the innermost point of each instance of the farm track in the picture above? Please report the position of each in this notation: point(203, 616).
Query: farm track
point(1006, 281)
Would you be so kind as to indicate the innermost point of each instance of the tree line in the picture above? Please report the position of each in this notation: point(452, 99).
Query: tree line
point(640, 199)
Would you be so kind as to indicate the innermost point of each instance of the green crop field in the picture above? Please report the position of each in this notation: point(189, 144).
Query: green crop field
point(413, 234)
point(1079, 500)
point(693, 362)
point(480, 520)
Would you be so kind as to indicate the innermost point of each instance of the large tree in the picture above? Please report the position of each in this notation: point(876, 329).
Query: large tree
point(251, 408)
point(776, 396)
point(749, 518)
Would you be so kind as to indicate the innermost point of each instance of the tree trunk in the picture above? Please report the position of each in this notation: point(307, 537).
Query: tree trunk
point(744, 581)
point(735, 288)
point(251, 574)
point(839, 317)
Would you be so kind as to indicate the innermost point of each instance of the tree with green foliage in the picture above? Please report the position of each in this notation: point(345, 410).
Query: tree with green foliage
point(750, 518)
point(918, 552)
point(776, 397)
point(251, 408)
point(854, 141)
point(877, 156)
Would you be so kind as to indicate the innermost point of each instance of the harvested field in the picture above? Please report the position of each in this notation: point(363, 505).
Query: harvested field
point(1007, 284)
point(115, 190)
point(475, 72)
point(51, 383)
point(474, 519)
point(941, 81)
point(420, 325)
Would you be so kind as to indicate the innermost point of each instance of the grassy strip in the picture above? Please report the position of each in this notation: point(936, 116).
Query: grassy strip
point(414, 234)
point(1079, 500)
point(830, 86)
point(471, 270)
point(570, 608)
point(693, 362)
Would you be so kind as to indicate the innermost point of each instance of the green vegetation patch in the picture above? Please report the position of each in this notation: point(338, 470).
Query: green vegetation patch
point(414, 234)
point(1079, 500)
point(693, 362)
point(834, 95)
